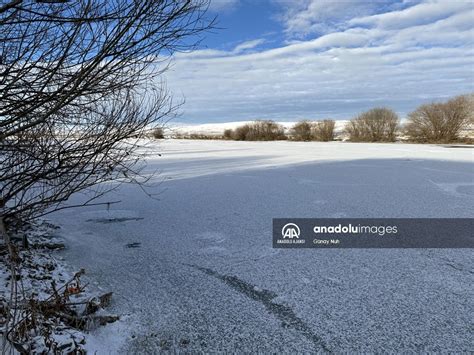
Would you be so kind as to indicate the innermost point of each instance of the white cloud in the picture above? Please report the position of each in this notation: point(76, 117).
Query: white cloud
point(223, 5)
point(304, 17)
point(248, 45)
point(416, 15)
point(336, 75)
point(243, 47)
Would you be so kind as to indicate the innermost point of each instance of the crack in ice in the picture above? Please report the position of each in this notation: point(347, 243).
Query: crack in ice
point(284, 313)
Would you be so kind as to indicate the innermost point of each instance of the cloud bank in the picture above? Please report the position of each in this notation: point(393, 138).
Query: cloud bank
point(399, 58)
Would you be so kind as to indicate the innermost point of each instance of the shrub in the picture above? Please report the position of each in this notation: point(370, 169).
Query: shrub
point(260, 131)
point(240, 133)
point(228, 134)
point(265, 131)
point(376, 125)
point(158, 133)
point(440, 122)
point(202, 136)
point(301, 131)
point(323, 131)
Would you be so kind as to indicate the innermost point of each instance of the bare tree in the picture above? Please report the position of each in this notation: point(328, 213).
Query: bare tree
point(79, 84)
point(441, 122)
point(376, 125)
point(324, 130)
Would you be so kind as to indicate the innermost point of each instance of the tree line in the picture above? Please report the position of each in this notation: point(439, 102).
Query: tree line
point(439, 122)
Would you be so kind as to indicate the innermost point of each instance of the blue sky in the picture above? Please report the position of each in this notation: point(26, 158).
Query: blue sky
point(311, 59)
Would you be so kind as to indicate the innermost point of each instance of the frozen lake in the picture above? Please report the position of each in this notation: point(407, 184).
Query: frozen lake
point(196, 271)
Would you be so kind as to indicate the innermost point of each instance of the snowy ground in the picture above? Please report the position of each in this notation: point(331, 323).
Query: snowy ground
point(196, 270)
point(70, 310)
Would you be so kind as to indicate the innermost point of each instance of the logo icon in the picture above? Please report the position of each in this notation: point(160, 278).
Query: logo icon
point(290, 230)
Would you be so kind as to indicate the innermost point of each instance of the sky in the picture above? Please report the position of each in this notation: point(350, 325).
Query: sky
point(289, 60)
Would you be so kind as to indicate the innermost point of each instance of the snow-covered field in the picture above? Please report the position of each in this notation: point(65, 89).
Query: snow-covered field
point(194, 269)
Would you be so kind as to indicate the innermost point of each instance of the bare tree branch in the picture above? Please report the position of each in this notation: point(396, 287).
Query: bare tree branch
point(79, 87)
